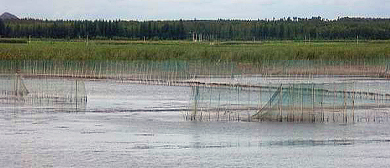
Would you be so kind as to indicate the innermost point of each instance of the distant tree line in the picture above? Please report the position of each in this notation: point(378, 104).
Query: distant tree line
point(315, 28)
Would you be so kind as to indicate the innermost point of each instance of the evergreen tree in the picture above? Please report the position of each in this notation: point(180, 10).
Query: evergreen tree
point(2, 28)
point(282, 29)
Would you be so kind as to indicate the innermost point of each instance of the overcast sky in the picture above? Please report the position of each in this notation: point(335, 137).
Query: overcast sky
point(190, 9)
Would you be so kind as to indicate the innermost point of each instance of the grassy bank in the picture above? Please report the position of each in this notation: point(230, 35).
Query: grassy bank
point(245, 52)
point(13, 40)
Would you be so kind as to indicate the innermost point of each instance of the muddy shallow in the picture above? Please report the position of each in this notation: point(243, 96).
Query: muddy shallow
point(126, 125)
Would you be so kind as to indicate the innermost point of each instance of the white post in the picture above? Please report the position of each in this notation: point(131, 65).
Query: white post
point(357, 40)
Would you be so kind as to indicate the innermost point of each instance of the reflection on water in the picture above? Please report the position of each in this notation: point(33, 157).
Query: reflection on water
point(125, 126)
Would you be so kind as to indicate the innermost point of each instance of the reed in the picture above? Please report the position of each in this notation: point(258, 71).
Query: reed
point(370, 52)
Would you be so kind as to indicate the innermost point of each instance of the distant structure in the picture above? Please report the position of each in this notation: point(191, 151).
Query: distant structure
point(8, 16)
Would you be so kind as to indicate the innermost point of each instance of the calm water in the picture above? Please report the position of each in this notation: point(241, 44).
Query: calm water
point(142, 126)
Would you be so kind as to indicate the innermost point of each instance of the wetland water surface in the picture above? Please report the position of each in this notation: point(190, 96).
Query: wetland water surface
point(143, 126)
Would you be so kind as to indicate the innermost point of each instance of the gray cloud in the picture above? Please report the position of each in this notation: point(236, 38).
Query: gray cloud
point(189, 9)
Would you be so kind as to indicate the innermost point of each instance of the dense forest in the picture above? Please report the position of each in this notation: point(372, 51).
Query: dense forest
point(315, 28)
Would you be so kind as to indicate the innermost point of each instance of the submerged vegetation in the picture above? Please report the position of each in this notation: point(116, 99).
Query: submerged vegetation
point(246, 52)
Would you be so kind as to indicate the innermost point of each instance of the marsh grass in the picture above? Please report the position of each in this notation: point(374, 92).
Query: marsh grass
point(369, 52)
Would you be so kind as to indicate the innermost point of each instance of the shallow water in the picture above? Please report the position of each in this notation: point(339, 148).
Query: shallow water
point(126, 125)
